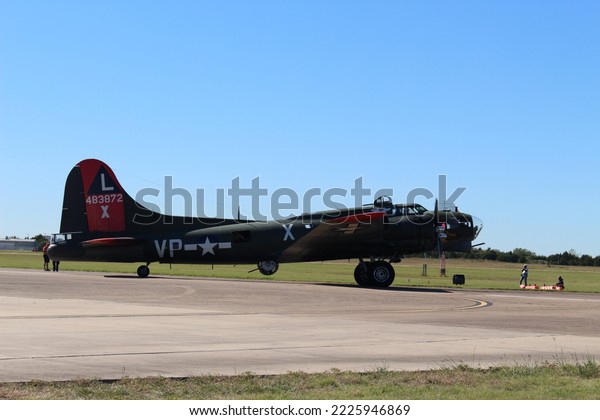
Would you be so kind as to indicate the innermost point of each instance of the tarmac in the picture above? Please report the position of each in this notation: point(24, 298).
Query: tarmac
point(73, 325)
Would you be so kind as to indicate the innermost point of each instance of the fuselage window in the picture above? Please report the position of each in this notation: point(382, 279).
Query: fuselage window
point(241, 236)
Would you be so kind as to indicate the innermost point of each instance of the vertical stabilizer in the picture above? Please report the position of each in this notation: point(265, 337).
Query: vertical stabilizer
point(94, 200)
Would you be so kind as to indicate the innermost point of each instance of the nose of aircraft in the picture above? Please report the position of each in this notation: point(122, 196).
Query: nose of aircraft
point(477, 226)
point(460, 230)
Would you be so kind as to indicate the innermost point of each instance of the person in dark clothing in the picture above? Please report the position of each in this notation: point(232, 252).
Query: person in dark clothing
point(524, 274)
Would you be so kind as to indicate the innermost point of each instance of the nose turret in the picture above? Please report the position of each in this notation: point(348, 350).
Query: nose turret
point(459, 230)
point(477, 226)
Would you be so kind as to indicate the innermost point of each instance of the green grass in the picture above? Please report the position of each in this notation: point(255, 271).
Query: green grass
point(580, 381)
point(479, 274)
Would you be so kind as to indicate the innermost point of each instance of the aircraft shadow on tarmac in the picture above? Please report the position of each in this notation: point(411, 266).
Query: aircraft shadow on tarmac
point(135, 277)
point(353, 286)
point(389, 289)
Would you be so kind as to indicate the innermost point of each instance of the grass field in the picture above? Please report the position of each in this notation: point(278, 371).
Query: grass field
point(479, 274)
point(580, 381)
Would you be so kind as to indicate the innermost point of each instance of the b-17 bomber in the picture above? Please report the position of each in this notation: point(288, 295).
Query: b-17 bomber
point(101, 222)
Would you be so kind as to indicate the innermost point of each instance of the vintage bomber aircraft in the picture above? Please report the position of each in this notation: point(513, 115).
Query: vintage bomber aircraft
point(101, 222)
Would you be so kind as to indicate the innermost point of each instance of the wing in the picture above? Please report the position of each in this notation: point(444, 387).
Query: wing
point(350, 236)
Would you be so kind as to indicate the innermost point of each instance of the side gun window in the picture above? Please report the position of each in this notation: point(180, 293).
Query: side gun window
point(241, 236)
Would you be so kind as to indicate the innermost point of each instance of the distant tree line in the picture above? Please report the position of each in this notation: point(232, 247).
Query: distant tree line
point(40, 241)
point(524, 256)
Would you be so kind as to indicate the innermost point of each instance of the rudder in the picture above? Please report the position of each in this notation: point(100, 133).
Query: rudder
point(94, 201)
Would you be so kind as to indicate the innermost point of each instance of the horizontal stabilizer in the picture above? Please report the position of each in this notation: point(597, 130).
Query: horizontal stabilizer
point(122, 241)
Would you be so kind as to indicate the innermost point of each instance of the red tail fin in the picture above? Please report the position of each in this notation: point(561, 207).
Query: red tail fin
point(94, 200)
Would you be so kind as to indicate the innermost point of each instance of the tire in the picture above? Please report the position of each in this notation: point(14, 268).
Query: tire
point(381, 274)
point(143, 271)
point(268, 268)
point(361, 277)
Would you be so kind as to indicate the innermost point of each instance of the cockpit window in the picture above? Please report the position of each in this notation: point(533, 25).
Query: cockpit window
point(408, 210)
point(60, 237)
point(457, 220)
point(420, 209)
point(385, 203)
point(415, 209)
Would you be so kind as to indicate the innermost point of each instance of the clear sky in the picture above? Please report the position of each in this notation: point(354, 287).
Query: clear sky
point(502, 97)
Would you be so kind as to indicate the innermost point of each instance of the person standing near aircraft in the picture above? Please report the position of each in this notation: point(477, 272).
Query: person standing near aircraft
point(524, 274)
point(46, 257)
point(55, 265)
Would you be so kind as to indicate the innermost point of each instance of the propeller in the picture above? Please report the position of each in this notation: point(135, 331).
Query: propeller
point(437, 225)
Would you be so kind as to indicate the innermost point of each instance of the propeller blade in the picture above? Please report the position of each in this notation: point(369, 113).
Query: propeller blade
point(438, 233)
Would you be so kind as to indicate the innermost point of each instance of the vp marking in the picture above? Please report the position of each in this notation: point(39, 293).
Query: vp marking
point(171, 245)
point(174, 245)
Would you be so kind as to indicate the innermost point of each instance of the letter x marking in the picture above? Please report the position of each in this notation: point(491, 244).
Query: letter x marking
point(288, 232)
point(105, 214)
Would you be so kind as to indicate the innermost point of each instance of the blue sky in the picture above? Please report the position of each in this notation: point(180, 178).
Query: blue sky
point(502, 97)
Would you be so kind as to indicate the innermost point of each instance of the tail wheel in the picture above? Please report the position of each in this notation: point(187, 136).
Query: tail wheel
point(268, 268)
point(143, 271)
point(381, 274)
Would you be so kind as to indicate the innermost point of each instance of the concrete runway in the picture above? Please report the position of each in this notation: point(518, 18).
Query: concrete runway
point(58, 326)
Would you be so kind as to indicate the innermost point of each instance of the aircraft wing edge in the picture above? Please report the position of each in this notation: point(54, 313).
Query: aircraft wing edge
point(112, 242)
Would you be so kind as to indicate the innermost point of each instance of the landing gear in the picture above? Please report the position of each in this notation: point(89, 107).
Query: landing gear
point(381, 274)
point(143, 271)
point(361, 274)
point(268, 268)
point(374, 274)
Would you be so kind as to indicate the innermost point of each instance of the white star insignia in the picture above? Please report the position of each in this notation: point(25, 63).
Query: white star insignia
point(208, 247)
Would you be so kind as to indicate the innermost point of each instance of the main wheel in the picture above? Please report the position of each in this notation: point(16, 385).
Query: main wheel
point(361, 274)
point(381, 274)
point(143, 271)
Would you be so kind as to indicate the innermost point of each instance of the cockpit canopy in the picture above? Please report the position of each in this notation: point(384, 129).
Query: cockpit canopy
point(384, 203)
